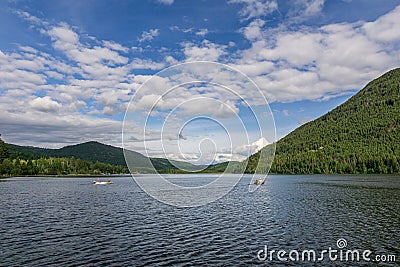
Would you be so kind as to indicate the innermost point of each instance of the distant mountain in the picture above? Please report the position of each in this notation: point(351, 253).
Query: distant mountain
point(92, 151)
point(95, 151)
point(360, 136)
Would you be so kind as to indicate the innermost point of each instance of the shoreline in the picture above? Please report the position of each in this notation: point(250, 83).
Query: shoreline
point(69, 176)
point(130, 175)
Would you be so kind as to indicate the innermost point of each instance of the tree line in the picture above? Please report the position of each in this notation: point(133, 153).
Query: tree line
point(52, 166)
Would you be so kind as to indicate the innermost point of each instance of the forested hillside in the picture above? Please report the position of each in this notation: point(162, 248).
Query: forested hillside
point(86, 158)
point(360, 136)
point(91, 151)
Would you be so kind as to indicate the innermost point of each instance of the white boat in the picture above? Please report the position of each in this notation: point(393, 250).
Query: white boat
point(102, 183)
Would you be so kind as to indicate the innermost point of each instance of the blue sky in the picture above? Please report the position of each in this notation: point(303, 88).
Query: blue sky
point(69, 68)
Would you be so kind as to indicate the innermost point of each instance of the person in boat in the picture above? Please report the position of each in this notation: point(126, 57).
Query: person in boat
point(109, 180)
point(98, 180)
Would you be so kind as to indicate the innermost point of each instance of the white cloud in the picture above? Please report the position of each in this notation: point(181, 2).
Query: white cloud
point(285, 112)
point(184, 30)
point(115, 46)
point(138, 63)
point(318, 63)
point(256, 8)
point(254, 30)
point(246, 150)
point(45, 104)
point(224, 157)
point(313, 7)
point(30, 18)
point(11, 79)
point(91, 77)
point(385, 28)
point(241, 152)
point(93, 61)
point(202, 106)
point(166, 2)
point(97, 77)
point(205, 51)
point(149, 35)
point(296, 48)
point(46, 128)
point(170, 60)
point(137, 49)
point(63, 36)
point(303, 9)
point(202, 32)
point(148, 102)
point(255, 68)
point(304, 120)
point(54, 75)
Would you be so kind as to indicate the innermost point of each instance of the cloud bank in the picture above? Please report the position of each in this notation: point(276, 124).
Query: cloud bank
point(77, 88)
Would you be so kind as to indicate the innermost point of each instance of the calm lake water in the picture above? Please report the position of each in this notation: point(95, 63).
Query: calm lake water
point(71, 222)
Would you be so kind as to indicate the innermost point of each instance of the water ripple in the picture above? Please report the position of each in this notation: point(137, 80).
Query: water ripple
point(70, 222)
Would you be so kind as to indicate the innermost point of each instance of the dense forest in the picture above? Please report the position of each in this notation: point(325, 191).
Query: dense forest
point(86, 158)
point(90, 151)
point(57, 166)
point(360, 136)
point(36, 165)
point(89, 158)
point(24, 162)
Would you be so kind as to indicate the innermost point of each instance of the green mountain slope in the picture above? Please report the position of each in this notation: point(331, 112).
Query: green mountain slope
point(95, 151)
point(360, 136)
point(92, 151)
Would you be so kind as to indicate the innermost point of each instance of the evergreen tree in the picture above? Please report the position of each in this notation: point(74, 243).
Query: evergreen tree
point(3, 150)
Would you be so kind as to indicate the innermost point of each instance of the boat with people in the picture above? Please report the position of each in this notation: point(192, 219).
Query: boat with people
point(99, 182)
point(259, 182)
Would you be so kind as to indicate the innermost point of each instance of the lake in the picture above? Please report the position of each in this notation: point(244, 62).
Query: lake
point(71, 222)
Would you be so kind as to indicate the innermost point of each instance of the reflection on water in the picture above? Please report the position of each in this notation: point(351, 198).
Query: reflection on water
point(69, 221)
